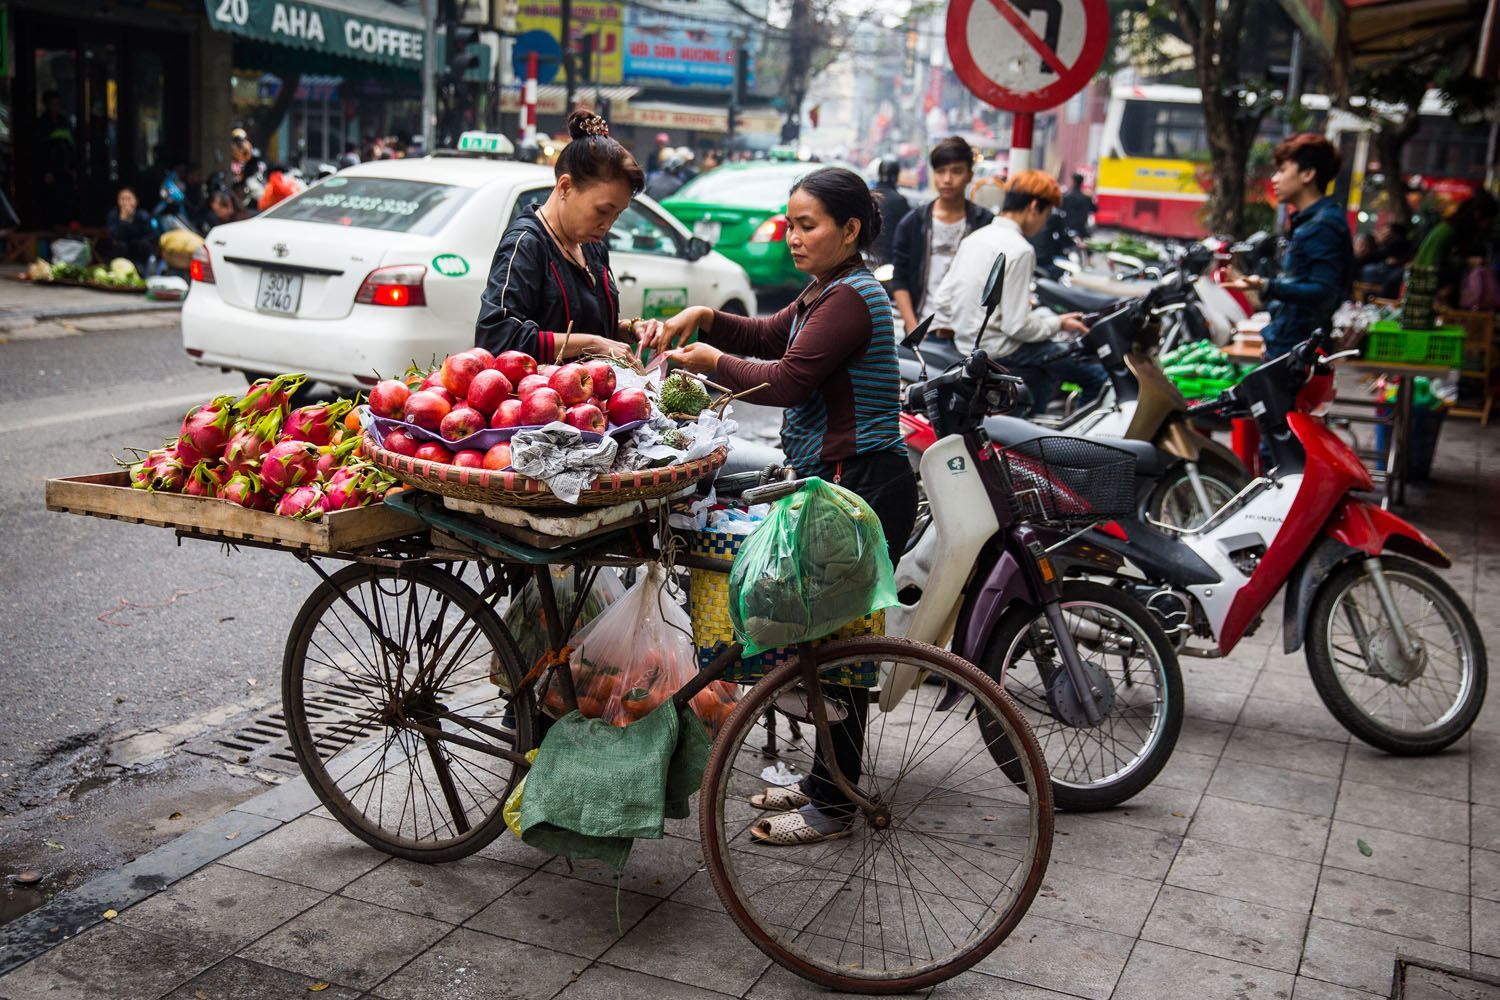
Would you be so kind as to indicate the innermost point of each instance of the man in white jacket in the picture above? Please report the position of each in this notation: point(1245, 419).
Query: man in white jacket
point(1025, 338)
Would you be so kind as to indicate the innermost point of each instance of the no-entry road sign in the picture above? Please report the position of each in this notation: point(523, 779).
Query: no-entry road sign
point(1027, 55)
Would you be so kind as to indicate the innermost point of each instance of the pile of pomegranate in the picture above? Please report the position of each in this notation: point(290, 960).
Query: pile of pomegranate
point(258, 452)
point(473, 391)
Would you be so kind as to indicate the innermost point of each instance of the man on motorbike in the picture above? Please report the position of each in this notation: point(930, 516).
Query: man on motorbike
point(1023, 338)
point(1318, 269)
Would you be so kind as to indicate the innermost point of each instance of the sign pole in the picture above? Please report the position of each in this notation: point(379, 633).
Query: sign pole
point(429, 68)
point(528, 100)
point(1020, 142)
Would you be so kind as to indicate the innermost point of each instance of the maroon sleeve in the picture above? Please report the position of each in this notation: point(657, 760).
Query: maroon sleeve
point(753, 336)
point(833, 332)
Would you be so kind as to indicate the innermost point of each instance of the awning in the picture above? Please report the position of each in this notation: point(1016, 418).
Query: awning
point(552, 98)
point(1368, 34)
point(372, 30)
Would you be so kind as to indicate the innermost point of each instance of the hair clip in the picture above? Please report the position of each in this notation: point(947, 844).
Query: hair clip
point(596, 125)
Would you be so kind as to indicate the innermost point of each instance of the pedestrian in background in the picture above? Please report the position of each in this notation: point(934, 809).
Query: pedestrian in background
point(1463, 235)
point(927, 239)
point(1078, 208)
point(350, 157)
point(131, 233)
point(893, 207)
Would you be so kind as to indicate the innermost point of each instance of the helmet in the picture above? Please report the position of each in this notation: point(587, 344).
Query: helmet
point(889, 169)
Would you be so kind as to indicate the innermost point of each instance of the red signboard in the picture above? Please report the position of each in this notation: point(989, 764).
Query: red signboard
point(1027, 55)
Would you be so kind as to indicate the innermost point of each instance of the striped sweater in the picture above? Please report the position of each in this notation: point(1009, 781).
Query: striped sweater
point(832, 365)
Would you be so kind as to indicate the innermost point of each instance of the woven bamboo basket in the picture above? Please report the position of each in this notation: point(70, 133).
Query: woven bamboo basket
point(511, 489)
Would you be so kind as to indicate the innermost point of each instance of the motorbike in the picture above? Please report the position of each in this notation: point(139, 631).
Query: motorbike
point(1095, 675)
point(1393, 652)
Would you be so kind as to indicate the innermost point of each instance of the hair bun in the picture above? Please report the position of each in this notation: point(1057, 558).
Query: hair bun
point(586, 123)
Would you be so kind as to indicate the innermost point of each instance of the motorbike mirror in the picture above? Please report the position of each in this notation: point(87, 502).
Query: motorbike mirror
point(994, 286)
point(885, 272)
point(917, 335)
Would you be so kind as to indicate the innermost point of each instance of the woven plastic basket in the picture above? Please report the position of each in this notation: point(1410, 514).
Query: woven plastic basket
point(708, 607)
point(511, 489)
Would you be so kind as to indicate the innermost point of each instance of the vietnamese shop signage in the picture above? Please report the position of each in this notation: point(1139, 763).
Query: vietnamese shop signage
point(677, 53)
point(307, 25)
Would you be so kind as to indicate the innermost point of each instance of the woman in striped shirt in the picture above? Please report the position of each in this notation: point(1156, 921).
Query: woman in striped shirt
point(828, 358)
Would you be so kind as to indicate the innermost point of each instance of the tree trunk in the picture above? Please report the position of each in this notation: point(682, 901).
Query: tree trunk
point(269, 120)
point(1228, 153)
point(1390, 143)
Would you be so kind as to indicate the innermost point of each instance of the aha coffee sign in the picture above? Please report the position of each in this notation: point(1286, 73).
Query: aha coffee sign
point(1027, 55)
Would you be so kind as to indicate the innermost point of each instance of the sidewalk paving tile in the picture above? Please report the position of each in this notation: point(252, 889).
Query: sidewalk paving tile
point(1276, 685)
point(470, 965)
point(1214, 706)
point(1361, 957)
point(1399, 856)
point(1303, 718)
point(508, 848)
point(1404, 811)
point(1202, 736)
point(1159, 807)
point(968, 986)
point(1286, 750)
point(1156, 971)
point(452, 893)
point(1187, 770)
point(1313, 989)
point(310, 851)
point(1094, 898)
point(1485, 920)
point(1484, 874)
point(690, 946)
point(1400, 908)
point(1262, 785)
point(108, 962)
point(567, 914)
point(605, 982)
point(1066, 957)
point(1260, 828)
point(1096, 841)
point(656, 868)
point(221, 909)
point(238, 979)
point(346, 941)
point(1227, 928)
point(1252, 876)
point(1484, 828)
point(1445, 774)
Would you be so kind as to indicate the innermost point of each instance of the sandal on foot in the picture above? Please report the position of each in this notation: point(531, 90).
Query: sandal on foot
point(791, 829)
point(780, 798)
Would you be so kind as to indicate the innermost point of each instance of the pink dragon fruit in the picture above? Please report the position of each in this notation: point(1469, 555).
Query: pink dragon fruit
point(245, 489)
point(332, 457)
point(250, 441)
point(354, 486)
point(161, 471)
point(288, 464)
point(316, 423)
point(205, 431)
point(269, 395)
point(205, 480)
point(302, 502)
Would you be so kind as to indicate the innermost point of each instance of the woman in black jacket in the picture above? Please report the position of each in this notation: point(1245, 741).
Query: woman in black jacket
point(551, 270)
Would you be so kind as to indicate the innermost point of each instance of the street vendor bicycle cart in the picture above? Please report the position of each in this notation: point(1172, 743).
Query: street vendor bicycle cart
point(954, 822)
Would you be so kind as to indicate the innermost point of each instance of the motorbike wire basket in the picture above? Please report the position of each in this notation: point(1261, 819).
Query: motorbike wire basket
point(1069, 480)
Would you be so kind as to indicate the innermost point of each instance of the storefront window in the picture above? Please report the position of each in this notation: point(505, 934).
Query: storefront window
point(146, 81)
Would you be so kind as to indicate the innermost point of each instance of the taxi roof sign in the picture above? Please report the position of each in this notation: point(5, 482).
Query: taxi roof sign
point(491, 143)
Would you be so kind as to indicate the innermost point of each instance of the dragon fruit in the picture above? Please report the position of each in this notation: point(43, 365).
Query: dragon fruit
point(332, 457)
point(160, 471)
point(270, 395)
point(245, 489)
point(316, 423)
point(288, 464)
point(250, 441)
point(205, 480)
point(302, 502)
point(205, 431)
point(355, 486)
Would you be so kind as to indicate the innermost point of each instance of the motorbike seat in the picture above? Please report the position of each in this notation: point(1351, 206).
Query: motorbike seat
point(750, 456)
point(1150, 461)
point(940, 354)
point(1053, 293)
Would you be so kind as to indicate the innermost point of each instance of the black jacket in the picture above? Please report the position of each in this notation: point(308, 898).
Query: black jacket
point(534, 292)
point(913, 236)
point(893, 208)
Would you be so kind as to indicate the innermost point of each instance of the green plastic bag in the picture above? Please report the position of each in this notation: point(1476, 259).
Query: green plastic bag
point(817, 562)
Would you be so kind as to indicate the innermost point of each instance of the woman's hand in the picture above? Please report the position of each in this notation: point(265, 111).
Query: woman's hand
point(588, 343)
point(675, 331)
point(699, 357)
point(643, 333)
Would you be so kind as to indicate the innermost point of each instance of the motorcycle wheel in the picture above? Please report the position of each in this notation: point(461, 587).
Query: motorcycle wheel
point(1130, 657)
point(1173, 502)
point(1362, 680)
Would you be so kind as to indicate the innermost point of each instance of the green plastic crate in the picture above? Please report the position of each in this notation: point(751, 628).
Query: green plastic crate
point(1387, 341)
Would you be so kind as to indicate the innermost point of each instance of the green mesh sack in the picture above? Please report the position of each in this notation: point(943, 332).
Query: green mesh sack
point(814, 564)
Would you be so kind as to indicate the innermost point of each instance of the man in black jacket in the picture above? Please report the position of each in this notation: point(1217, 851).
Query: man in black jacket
point(893, 207)
point(928, 238)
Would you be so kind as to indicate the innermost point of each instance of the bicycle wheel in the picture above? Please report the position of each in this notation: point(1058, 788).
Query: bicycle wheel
point(1175, 502)
point(1399, 706)
point(375, 653)
point(1129, 659)
point(920, 892)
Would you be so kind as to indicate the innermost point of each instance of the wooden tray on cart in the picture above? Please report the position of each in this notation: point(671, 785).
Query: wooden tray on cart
point(109, 495)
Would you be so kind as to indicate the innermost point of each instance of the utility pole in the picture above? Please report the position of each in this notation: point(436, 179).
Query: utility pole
point(799, 65)
point(737, 91)
point(429, 70)
point(566, 32)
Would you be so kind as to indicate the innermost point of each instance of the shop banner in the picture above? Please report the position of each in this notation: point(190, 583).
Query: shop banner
point(395, 40)
point(606, 20)
point(677, 53)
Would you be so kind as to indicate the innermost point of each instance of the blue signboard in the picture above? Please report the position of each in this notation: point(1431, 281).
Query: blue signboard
point(678, 53)
point(549, 55)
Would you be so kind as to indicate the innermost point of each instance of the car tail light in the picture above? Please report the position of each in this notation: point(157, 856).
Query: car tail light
point(773, 230)
point(201, 266)
point(394, 286)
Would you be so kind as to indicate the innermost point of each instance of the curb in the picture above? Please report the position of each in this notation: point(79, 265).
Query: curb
point(72, 912)
point(14, 319)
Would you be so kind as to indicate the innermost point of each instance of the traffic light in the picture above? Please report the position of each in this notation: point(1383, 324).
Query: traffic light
point(459, 57)
point(585, 72)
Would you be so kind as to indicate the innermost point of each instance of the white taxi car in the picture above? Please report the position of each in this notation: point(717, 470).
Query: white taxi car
point(383, 264)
